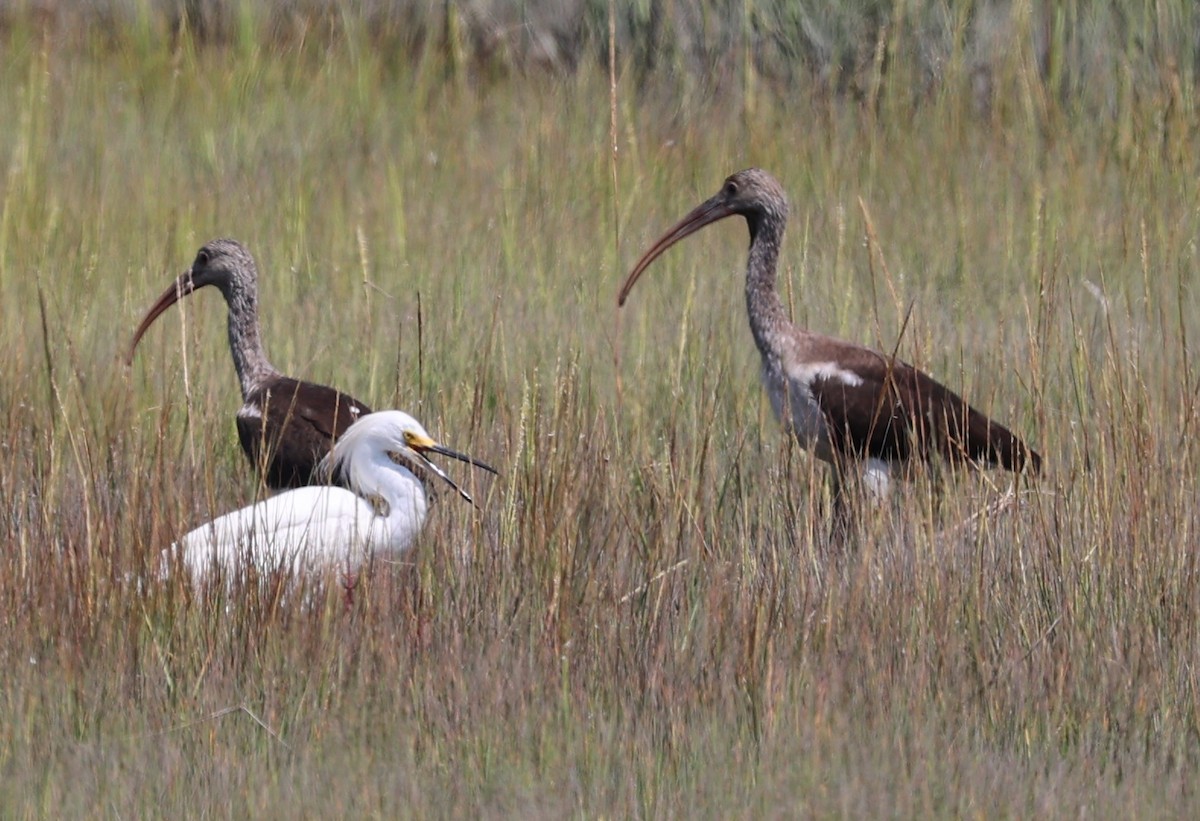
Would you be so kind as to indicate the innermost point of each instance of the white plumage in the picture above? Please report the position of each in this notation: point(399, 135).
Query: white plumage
point(315, 529)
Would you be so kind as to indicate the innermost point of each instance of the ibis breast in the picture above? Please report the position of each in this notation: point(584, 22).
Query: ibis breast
point(796, 407)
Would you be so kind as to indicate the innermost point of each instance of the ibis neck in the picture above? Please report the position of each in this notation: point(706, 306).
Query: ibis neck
point(762, 300)
point(245, 342)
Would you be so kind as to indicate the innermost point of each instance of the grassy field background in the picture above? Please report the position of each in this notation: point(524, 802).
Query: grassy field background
point(645, 617)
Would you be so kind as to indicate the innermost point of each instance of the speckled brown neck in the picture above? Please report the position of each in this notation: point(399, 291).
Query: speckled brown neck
point(768, 321)
point(245, 338)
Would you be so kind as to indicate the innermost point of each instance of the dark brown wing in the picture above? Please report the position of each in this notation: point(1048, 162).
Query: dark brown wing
point(298, 425)
point(897, 412)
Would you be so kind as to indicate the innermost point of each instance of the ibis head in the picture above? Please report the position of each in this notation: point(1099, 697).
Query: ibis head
point(223, 263)
point(752, 193)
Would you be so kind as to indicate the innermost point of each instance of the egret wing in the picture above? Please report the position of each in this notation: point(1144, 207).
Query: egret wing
point(304, 529)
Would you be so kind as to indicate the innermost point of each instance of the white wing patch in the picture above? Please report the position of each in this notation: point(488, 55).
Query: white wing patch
point(809, 371)
point(250, 412)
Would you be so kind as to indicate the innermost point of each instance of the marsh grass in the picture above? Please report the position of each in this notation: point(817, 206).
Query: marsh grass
point(645, 616)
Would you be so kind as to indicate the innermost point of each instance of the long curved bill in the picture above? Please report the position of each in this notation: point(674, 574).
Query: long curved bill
point(421, 449)
point(705, 213)
point(178, 289)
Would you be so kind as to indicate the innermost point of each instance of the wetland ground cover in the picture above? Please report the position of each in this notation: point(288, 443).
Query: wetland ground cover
point(644, 617)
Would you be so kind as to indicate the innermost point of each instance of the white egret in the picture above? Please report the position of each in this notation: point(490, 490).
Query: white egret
point(314, 529)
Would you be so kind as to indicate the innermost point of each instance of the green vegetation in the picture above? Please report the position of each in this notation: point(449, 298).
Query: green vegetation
point(645, 617)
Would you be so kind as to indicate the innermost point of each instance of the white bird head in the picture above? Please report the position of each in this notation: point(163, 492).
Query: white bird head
point(392, 435)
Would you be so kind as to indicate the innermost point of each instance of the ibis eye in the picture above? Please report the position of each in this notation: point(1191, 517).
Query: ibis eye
point(202, 259)
point(731, 188)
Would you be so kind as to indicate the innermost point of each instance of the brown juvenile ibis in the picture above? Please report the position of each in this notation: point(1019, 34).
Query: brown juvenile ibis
point(286, 426)
point(848, 404)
